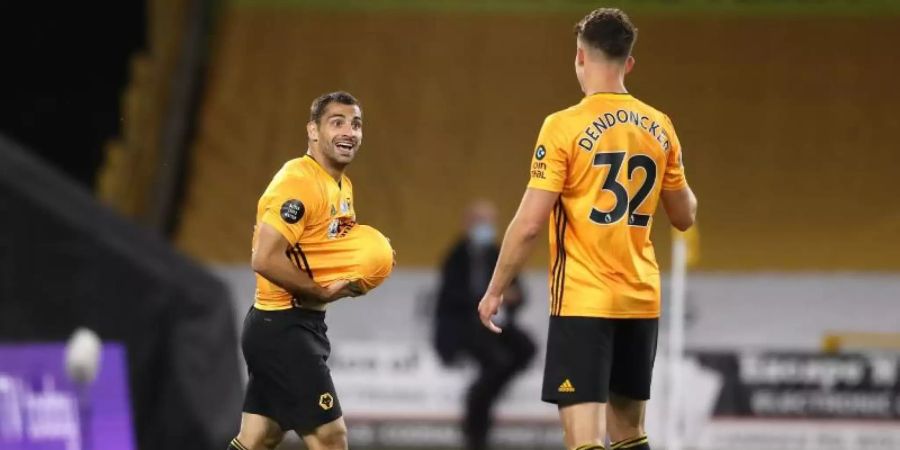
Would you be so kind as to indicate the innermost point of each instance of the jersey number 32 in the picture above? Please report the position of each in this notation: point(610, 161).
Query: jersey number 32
point(624, 204)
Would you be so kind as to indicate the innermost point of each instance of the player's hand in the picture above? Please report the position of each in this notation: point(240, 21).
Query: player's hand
point(487, 308)
point(512, 297)
point(341, 289)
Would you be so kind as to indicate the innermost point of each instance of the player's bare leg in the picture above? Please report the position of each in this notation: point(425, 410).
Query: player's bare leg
point(584, 425)
point(257, 433)
point(331, 436)
point(625, 421)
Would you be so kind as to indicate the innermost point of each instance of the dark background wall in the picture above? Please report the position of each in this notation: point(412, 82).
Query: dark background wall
point(65, 65)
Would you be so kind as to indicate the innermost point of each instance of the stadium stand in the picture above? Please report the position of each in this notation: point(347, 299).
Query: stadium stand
point(769, 139)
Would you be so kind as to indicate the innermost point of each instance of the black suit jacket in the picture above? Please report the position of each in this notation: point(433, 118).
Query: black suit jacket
point(456, 312)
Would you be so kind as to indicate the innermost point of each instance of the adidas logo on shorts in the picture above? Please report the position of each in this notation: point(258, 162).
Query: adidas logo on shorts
point(566, 386)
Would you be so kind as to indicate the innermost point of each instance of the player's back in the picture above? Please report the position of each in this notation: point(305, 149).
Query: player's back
point(609, 157)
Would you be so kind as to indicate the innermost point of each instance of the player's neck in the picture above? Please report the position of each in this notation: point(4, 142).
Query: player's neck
point(335, 172)
point(610, 87)
point(605, 79)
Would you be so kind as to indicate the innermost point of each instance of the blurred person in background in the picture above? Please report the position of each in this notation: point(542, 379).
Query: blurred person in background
point(308, 251)
point(464, 276)
point(598, 171)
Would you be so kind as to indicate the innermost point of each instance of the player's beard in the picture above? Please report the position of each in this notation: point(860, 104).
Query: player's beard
point(337, 156)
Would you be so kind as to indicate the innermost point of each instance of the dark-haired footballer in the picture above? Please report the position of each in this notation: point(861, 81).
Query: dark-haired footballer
point(308, 251)
point(598, 171)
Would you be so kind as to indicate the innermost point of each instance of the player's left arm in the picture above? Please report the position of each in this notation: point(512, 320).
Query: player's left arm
point(677, 197)
point(517, 246)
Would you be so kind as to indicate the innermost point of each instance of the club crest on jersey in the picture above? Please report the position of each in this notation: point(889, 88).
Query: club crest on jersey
point(326, 401)
point(292, 211)
point(333, 228)
point(540, 153)
point(340, 226)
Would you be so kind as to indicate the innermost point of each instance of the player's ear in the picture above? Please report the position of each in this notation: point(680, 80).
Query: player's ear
point(312, 131)
point(629, 64)
point(579, 56)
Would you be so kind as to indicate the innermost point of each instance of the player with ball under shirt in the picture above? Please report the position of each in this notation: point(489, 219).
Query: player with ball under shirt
point(308, 251)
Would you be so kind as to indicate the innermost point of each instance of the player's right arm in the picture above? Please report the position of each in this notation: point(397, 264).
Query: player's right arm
point(677, 197)
point(549, 167)
point(289, 204)
point(270, 260)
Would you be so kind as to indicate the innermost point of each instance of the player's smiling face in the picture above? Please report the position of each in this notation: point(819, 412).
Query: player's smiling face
point(339, 132)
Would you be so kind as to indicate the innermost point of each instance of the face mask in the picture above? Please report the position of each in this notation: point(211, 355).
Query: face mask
point(482, 234)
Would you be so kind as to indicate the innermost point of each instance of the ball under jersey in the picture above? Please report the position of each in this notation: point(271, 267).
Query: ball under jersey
point(315, 215)
point(609, 157)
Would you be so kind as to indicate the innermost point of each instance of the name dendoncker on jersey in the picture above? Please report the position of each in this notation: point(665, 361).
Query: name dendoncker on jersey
point(606, 121)
point(609, 158)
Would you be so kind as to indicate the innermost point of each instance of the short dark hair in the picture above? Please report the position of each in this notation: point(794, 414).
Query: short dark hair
point(321, 102)
point(609, 30)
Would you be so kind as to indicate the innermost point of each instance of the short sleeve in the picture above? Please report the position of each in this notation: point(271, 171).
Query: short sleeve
point(673, 178)
point(288, 206)
point(549, 163)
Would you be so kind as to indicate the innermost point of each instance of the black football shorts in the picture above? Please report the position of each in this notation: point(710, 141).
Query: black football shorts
point(589, 357)
point(289, 383)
